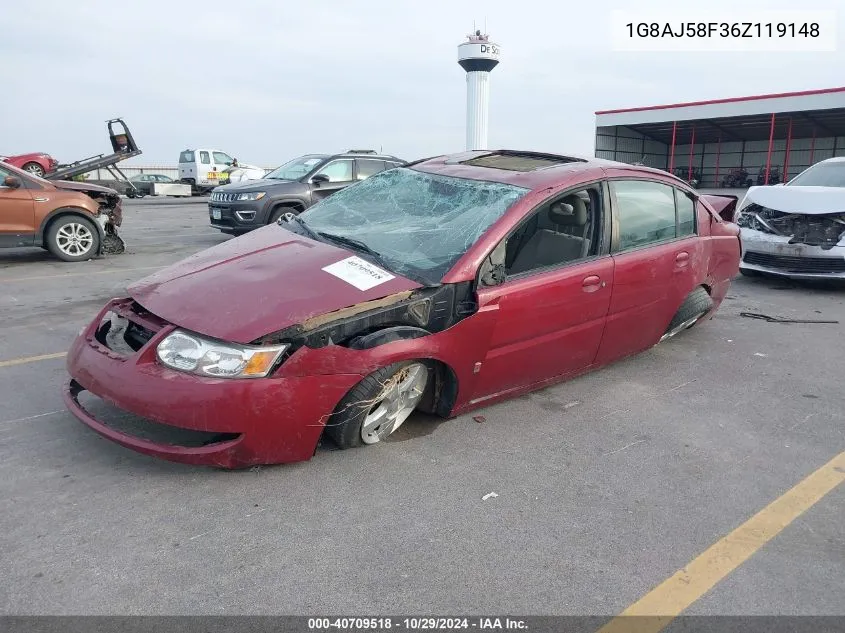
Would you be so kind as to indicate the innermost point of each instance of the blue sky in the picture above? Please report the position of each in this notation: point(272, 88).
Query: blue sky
point(267, 81)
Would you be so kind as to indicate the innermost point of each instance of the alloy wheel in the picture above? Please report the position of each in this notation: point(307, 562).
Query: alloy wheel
point(400, 396)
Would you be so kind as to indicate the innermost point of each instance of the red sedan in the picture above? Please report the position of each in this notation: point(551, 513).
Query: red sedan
point(443, 286)
point(36, 163)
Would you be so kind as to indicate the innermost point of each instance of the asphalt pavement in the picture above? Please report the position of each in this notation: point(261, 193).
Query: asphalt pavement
point(605, 485)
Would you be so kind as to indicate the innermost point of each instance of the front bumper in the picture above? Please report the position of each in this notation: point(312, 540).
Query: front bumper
point(773, 255)
point(264, 421)
point(252, 216)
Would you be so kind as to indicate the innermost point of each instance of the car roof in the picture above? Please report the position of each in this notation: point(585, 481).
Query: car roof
point(365, 153)
point(531, 170)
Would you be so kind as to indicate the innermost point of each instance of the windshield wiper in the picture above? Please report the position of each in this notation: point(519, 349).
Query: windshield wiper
point(358, 245)
point(311, 232)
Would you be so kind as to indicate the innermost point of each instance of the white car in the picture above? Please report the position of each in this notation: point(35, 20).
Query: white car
point(240, 172)
point(797, 229)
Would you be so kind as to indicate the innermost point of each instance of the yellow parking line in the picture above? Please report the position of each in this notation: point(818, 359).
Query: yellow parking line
point(110, 271)
point(31, 359)
point(666, 601)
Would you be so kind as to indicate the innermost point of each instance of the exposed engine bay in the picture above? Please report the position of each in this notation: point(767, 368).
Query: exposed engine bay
point(823, 230)
point(109, 217)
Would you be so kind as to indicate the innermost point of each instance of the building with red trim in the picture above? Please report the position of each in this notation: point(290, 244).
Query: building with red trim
point(762, 139)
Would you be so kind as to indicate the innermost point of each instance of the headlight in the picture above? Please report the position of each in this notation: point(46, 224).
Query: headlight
point(196, 355)
point(253, 195)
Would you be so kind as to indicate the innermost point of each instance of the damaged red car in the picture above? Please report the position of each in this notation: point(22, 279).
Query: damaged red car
point(443, 285)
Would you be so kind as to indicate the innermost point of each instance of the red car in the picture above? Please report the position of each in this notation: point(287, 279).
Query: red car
point(443, 285)
point(36, 163)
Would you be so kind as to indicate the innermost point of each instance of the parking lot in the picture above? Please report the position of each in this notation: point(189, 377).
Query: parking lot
point(605, 486)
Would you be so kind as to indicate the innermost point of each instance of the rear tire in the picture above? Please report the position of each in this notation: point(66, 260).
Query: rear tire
point(696, 305)
point(34, 168)
point(73, 239)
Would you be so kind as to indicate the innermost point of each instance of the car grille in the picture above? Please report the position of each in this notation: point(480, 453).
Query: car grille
point(224, 197)
point(786, 263)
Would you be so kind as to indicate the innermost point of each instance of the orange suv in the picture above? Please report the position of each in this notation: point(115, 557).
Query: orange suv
point(75, 221)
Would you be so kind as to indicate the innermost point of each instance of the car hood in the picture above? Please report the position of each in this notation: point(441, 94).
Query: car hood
point(792, 199)
point(256, 284)
point(251, 185)
point(81, 186)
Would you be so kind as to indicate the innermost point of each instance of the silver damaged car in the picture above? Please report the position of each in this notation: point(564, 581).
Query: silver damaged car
point(797, 229)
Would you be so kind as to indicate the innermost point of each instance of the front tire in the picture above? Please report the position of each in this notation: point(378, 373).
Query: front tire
point(379, 404)
point(696, 305)
point(73, 239)
point(280, 211)
point(34, 168)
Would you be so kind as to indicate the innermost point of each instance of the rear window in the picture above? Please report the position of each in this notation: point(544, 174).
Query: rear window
point(186, 157)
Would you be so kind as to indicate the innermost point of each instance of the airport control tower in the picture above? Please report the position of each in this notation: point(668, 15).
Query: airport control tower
point(478, 56)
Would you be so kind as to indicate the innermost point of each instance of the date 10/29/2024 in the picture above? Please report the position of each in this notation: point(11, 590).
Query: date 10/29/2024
point(416, 624)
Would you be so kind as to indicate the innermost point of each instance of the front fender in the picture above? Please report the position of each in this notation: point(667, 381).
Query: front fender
point(459, 347)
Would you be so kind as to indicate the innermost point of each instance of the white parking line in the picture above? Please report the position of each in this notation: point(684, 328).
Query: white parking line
point(30, 417)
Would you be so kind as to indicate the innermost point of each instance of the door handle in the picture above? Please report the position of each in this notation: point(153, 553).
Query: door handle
point(682, 257)
point(592, 283)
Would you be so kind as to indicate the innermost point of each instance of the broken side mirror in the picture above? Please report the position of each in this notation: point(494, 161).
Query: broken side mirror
point(317, 179)
point(12, 182)
point(492, 272)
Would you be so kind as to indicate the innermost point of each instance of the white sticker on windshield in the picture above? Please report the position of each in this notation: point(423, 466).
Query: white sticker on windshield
point(359, 273)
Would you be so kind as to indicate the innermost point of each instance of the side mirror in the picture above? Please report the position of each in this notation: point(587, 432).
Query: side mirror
point(492, 271)
point(12, 182)
point(319, 178)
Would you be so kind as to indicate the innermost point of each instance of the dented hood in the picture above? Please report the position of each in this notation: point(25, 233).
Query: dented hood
point(82, 186)
point(262, 282)
point(792, 199)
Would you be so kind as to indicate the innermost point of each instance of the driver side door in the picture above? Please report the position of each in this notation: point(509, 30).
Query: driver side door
point(337, 174)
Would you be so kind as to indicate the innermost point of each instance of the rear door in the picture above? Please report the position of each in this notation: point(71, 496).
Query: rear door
point(17, 213)
point(549, 316)
point(658, 261)
point(339, 173)
point(366, 167)
point(187, 165)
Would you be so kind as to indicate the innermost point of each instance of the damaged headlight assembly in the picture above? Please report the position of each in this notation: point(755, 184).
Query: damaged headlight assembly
point(194, 354)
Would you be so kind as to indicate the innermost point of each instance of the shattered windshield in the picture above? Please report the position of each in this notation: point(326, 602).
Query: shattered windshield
point(295, 169)
point(418, 224)
point(821, 175)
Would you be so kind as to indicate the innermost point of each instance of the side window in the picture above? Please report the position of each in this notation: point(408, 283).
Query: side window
point(338, 171)
point(564, 230)
point(368, 167)
point(205, 159)
point(646, 212)
point(186, 157)
point(686, 213)
point(222, 159)
point(3, 175)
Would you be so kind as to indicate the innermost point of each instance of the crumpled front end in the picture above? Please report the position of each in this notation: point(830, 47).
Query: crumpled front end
point(792, 244)
point(182, 417)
